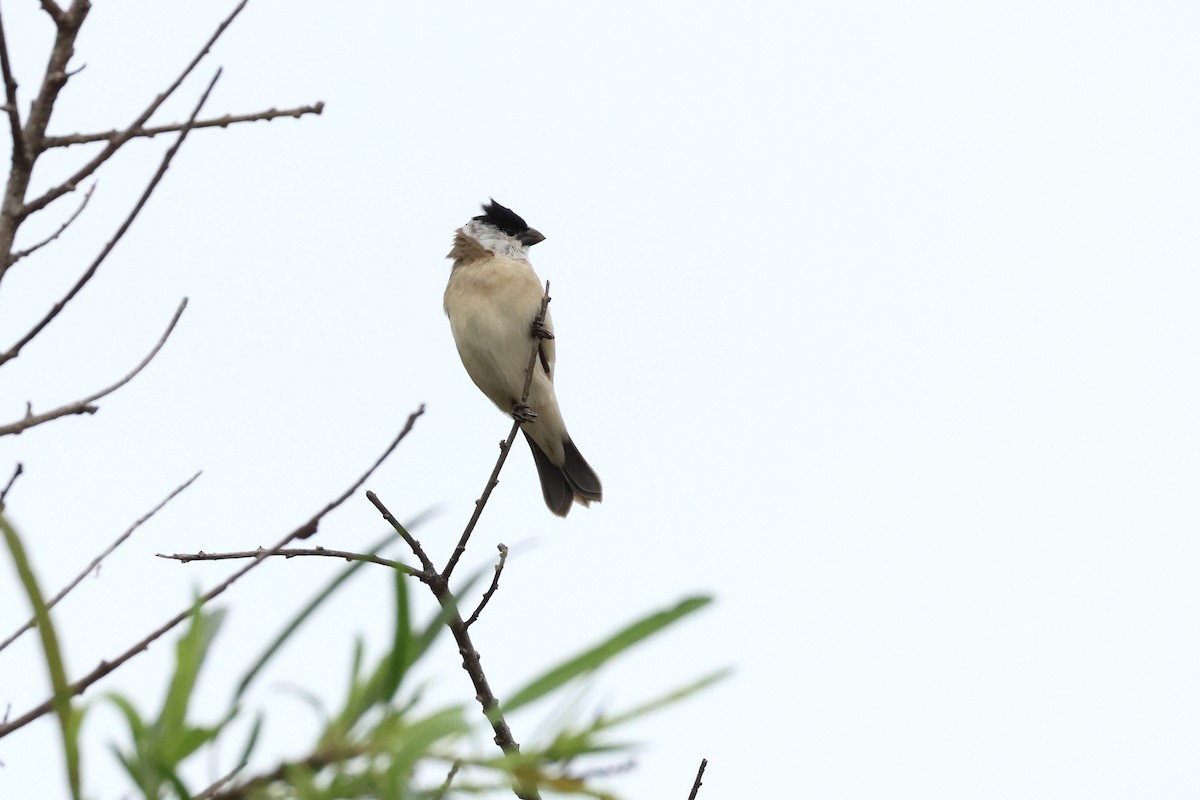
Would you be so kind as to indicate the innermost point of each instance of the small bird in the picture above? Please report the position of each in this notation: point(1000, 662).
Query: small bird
point(493, 300)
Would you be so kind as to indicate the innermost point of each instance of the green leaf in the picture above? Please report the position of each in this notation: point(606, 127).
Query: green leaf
point(305, 612)
point(674, 696)
point(190, 652)
point(594, 657)
point(395, 664)
point(61, 702)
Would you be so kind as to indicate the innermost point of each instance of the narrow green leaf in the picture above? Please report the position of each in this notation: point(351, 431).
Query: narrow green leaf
point(418, 738)
point(674, 696)
point(251, 740)
point(305, 612)
point(61, 701)
point(190, 651)
point(396, 662)
point(592, 658)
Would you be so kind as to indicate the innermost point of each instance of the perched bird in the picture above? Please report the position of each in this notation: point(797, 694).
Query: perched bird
point(493, 300)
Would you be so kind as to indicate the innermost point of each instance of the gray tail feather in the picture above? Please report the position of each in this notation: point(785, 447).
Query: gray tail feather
point(585, 483)
point(575, 481)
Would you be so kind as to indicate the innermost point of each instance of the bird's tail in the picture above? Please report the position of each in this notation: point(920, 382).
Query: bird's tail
point(574, 482)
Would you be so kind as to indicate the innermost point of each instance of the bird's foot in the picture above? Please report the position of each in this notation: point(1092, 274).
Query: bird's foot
point(540, 330)
point(523, 413)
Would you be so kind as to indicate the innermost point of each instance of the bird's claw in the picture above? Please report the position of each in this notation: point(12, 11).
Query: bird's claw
point(540, 330)
point(523, 413)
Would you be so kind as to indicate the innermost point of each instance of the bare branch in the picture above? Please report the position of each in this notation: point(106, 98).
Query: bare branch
point(16, 474)
point(53, 80)
point(445, 787)
point(15, 350)
point(18, 255)
point(293, 552)
point(85, 406)
point(412, 543)
point(306, 529)
point(20, 157)
point(54, 11)
point(87, 169)
point(491, 589)
point(505, 446)
point(95, 562)
point(220, 783)
point(218, 122)
point(466, 648)
point(699, 774)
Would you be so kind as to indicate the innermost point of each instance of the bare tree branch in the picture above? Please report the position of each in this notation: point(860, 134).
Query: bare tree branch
point(699, 774)
point(87, 169)
point(412, 543)
point(491, 589)
point(470, 656)
point(56, 76)
point(95, 562)
point(20, 158)
point(16, 474)
point(85, 406)
point(505, 446)
point(15, 350)
point(445, 787)
point(293, 552)
point(303, 531)
point(54, 11)
point(18, 255)
point(218, 122)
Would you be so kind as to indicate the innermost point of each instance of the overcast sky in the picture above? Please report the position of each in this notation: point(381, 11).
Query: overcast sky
point(878, 320)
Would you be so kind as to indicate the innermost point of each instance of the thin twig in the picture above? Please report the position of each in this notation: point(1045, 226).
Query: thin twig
point(220, 783)
point(491, 589)
point(217, 122)
point(15, 350)
point(505, 446)
point(85, 406)
point(16, 474)
point(87, 169)
point(314, 763)
point(409, 539)
point(20, 157)
point(699, 775)
point(293, 552)
point(19, 254)
point(470, 656)
point(95, 562)
point(303, 531)
point(445, 787)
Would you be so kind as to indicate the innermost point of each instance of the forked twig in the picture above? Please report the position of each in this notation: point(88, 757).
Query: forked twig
point(466, 648)
point(87, 169)
point(303, 531)
point(15, 350)
point(19, 254)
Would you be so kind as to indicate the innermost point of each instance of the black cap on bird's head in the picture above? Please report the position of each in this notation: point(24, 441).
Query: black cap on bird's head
point(510, 222)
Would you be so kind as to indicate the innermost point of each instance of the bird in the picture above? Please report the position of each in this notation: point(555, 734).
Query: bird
point(493, 300)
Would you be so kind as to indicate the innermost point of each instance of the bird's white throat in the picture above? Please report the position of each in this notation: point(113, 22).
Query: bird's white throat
point(496, 240)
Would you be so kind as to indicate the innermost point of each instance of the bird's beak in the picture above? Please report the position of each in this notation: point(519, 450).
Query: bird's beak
point(531, 237)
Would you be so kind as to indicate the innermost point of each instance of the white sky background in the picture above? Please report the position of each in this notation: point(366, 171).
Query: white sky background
point(879, 322)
